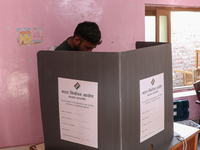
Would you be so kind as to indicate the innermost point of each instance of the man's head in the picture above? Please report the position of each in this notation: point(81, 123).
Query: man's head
point(87, 36)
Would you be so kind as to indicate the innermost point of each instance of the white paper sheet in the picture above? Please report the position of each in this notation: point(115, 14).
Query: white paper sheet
point(151, 106)
point(78, 110)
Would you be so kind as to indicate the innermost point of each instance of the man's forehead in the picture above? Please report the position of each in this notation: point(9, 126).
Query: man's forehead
point(89, 44)
point(90, 47)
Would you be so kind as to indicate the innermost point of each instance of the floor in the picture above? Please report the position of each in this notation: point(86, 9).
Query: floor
point(27, 147)
point(198, 145)
point(17, 148)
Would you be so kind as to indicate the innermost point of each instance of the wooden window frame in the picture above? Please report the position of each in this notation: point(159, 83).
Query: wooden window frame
point(160, 12)
point(153, 10)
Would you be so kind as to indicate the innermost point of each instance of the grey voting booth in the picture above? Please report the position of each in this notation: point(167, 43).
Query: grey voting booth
point(103, 100)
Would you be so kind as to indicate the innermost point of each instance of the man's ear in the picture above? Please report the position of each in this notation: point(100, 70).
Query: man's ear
point(77, 40)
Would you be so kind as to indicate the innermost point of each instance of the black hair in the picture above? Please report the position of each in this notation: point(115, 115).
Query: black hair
point(89, 31)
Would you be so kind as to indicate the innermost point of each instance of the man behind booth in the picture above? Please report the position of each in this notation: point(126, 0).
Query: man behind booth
point(86, 37)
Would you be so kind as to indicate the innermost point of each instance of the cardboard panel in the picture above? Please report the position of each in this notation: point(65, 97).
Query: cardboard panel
point(147, 44)
point(119, 77)
point(137, 65)
point(97, 67)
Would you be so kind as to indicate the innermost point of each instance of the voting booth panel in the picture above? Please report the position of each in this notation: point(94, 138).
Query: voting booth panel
point(146, 80)
point(106, 100)
point(101, 68)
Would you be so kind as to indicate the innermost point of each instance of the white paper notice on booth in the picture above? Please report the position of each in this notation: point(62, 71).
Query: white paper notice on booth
point(78, 111)
point(151, 106)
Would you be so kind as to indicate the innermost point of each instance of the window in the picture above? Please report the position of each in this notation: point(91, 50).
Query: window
point(150, 28)
point(162, 19)
point(179, 26)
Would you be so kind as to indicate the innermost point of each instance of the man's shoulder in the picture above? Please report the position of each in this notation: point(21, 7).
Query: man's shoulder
point(64, 46)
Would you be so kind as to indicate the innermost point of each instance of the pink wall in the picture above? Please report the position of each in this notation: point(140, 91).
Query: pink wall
point(121, 23)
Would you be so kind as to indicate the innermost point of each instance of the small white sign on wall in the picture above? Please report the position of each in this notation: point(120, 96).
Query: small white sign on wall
point(151, 106)
point(78, 111)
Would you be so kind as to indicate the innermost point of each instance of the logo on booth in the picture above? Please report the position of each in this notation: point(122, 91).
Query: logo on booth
point(152, 81)
point(77, 85)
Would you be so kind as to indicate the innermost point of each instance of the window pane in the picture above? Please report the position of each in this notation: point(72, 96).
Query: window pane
point(163, 29)
point(185, 40)
point(150, 28)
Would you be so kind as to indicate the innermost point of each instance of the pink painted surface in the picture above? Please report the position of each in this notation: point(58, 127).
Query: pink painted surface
point(121, 23)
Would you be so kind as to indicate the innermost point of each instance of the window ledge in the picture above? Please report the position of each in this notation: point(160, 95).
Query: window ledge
point(184, 94)
point(189, 87)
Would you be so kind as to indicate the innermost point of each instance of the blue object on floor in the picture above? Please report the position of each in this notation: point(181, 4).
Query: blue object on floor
point(181, 110)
